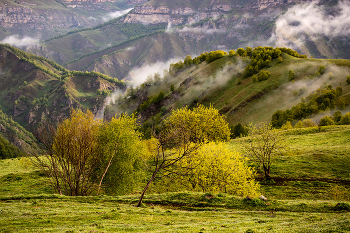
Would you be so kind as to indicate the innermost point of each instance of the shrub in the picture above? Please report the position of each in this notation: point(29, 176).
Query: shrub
point(263, 75)
point(348, 79)
point(327, 120)
point(291, 75)
point(345, 120)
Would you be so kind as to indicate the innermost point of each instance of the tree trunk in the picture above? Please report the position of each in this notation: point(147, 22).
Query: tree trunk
point(267, 173)
point(146, 187)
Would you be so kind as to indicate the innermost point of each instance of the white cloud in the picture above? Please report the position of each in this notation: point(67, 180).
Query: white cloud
point(312, 19)
point(139, 75)
point(116, 14)
point(18, 42)
point(200, 30)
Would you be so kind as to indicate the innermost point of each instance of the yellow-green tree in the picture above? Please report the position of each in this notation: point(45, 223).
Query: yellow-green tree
point(121, 167)
point(215, 168)
point(262, 145)
point(184, 132)
point(83, 154)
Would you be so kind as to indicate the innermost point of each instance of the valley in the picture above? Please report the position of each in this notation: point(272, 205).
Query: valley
point(209, 116)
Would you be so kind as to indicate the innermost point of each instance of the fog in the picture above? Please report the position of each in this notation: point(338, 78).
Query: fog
point(20, 42)
point(140, 74)
point(115, 14)
point(311, 19)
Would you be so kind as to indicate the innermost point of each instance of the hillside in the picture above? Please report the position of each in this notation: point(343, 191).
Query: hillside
point(226, 85)
point(34, 89)
point(161, 30)
point(45, 19)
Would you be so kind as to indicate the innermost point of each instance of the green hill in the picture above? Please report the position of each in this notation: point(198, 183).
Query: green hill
point(34, 89)
point(226, 84)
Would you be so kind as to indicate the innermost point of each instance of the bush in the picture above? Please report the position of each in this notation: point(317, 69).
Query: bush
point(263, 75)
point(345, 120)
point(327, 120)
point(291, 75)
point(348, 79)
point(342, 206)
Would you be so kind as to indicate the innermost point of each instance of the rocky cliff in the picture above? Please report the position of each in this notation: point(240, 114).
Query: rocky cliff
point(155, 14)
point(46, 19)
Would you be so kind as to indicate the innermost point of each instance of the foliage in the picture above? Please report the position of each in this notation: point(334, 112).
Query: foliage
point(82, 154)
point(319, 100)
point(214, 168)
point(72, 153)
point(291, 75)
point(58, 72)
point(238, 131)
point(184, 132)
point(7, 150)
point(260, 57)
point(263, 145)
point(263, 75)
point(121, 153)
point(345, 120)
point(151, 100)
point(327, 120)
point(348, 79)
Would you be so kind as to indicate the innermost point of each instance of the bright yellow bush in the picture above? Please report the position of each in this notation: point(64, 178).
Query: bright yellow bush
point(214, 168)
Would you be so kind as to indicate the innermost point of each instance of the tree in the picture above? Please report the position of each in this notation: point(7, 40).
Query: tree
point(184, 132)
point(262, 145)
point(215, 168)
point(188, 61)
point(345, 120)
point(82, 154)
point(71, 153)
point(327, 120)
point(291, 75)
point(120, 167)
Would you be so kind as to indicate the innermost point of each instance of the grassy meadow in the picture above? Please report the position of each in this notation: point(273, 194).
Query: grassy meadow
point(310, 194)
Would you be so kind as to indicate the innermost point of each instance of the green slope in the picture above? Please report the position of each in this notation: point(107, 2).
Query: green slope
point(221, 83)
point(34, 89)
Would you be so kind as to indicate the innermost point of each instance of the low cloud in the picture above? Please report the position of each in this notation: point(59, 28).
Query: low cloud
point(200, 30)
point(116, 14)
point(20, 42)
point(139, 75)
point(311, 19)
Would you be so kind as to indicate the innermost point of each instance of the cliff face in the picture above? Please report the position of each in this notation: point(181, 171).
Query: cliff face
point(46, 19)
point(187, 15)
point(163, 14)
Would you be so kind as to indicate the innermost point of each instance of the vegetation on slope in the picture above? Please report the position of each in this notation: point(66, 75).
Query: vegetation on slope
point(34, 89)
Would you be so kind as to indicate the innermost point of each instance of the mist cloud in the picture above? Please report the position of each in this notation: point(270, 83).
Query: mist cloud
point(311, 19)
point(116, 14)
point(139, 75)
point(200, 30)
point(20, 43)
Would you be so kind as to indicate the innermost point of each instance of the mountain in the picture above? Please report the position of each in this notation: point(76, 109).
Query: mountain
point(235, 85)
point(160, 30)
point(34, 89)
point(42, 20)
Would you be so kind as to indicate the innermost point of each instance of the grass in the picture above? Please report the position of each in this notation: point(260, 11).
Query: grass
point(316, 163)
point(106, 214)
point(298, 202)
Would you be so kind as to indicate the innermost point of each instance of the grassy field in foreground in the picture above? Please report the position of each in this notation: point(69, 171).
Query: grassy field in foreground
point(303, 198)
point(107, 214)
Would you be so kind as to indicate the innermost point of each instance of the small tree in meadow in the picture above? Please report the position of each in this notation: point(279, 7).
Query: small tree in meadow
point(263, 145)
